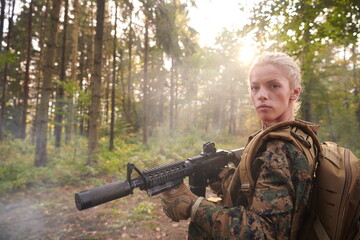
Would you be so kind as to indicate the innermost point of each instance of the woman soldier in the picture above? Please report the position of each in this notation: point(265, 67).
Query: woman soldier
point(282, 173)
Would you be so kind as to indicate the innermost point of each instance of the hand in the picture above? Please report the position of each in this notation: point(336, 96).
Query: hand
point(219, 186)
point(177, 202)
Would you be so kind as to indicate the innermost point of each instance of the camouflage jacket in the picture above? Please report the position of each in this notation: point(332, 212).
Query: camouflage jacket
point(282, 188)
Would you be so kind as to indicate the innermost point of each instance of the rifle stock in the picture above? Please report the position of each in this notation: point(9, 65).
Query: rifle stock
point(201, 170)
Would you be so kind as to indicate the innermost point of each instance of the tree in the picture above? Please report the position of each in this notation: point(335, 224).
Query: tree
point(320, 34)
point(60, 94)
point(302, 28)
point(27, 74)
point(112, 118)
point(93, 141)
point(167, 36)
point(46, 90)
point(5, 75)
point(39, 75)
point(128, 92)
point(2, 20)
point(145, 87)
point(74, 58)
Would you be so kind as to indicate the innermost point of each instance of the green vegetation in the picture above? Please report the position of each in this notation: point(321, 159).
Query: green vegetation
point(17, 169)
point(143, 211)
point(67, 165)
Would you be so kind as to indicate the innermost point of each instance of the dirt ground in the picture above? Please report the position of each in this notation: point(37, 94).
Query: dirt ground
point(51, 214)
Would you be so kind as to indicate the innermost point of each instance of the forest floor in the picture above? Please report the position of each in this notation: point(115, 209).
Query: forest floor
point(51, 214)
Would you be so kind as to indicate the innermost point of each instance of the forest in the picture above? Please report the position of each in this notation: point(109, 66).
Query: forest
point(89, 85)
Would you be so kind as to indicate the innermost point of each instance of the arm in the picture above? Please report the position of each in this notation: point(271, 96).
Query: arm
point(282, 186)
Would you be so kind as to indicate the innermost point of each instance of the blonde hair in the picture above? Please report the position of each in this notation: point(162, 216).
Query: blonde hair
point(287, 65)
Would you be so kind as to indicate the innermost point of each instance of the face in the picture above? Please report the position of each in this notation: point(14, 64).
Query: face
point(271, 94)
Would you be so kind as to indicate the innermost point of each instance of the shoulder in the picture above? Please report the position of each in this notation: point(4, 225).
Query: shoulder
point(281, 152)
point(280, 146)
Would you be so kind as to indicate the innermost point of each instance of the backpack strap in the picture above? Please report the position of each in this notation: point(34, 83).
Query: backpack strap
point(298, 132)
point(319, 230)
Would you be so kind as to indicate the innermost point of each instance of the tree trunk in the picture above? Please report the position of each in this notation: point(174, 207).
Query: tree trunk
point(127, 108)
point(145, 90)
point(74, 56)
point(232, 120)
point(2, 20)
point(60, 93)
point(122, 81)
point(90, 66)
point(176, 96)
point(39, 76)
point(162, 97)
point(107, 97)
point(307, 72)
point(81, 78)
point(112, 118)
point(4, 80)
point(42, 113)
point(27, 77)
point(172, 95)
point(93, 146)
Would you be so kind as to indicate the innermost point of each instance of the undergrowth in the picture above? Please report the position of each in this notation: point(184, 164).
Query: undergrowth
point(67, 165)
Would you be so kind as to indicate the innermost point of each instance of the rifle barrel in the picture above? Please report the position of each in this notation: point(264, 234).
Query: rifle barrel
point(102, 194)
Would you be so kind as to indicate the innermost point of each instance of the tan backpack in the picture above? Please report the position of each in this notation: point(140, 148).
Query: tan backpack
point(335, 205)
point(334, 209)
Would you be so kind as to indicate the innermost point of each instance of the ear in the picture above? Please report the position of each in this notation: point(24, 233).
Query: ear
point(295, 94)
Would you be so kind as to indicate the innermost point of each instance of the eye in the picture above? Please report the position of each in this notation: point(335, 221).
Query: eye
point(274, 85)
point(254, 88)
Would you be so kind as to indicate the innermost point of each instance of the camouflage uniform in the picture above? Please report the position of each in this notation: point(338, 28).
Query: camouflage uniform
point(282, 188)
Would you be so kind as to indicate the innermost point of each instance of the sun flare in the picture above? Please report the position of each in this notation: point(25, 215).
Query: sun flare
point(247, 54)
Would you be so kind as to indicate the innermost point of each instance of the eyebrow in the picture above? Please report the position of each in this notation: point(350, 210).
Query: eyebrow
point(269, 81)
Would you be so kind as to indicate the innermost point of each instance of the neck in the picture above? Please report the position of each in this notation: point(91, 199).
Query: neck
point(266, 124)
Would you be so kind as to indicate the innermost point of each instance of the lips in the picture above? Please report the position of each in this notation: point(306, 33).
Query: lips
point(263, 107)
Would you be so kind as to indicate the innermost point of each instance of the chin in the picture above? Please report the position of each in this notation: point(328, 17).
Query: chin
point(266, 118)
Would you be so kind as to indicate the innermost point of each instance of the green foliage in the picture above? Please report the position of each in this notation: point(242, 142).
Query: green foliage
point(143, 211)
point(67, 166)
point(182, 145)
point(7, 57)
point(84, 99)
point(114, 162)
point(17, 170)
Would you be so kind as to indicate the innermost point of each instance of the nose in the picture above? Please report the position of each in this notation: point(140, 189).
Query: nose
point(262, 94)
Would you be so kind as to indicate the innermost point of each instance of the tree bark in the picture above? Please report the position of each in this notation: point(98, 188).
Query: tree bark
point(127, 108)
point(93, 145)
point(112, 117)
point(172, 95)
point(4, 80)
point(307, 72)
point(27, 77)
point(81, 78)
point(60, 92)
point(2, 20)
point(145, 89)
point(90, 66)
point(74, 57)
point(122, 81)
point(39, 76)
point(46, 90)
point(107, 97)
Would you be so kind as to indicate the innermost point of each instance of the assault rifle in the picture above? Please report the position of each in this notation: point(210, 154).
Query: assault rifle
point(201, 170)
